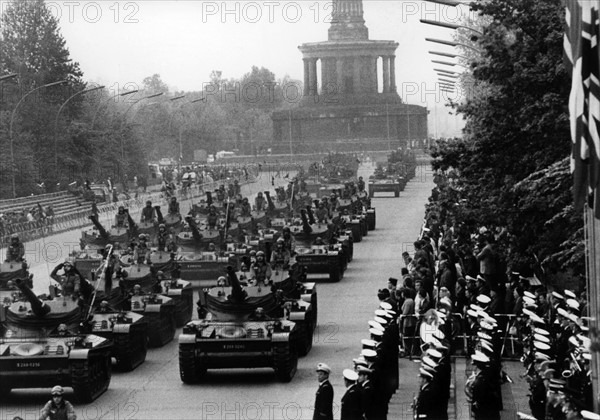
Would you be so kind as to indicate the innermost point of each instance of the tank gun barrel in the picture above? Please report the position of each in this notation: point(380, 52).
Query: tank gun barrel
point(237, 293)
point(159, 214)
point(311, 215)
point(194, 227)
point(269, 200)
point(38, 307)
point(305, 224)
point(103, 233)
point(132, 225)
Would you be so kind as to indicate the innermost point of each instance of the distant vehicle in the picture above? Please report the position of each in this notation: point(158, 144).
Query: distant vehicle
point(156, 176)
point(210, 159)
point(223, 153)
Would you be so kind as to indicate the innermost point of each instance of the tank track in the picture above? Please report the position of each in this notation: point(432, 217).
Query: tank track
point(91, 377)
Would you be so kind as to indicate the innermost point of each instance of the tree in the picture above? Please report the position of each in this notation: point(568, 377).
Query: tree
point(510, 168)
point(32, 47)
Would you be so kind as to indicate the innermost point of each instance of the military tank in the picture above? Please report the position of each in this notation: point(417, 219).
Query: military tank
point(300, 303)
point(235, 334)
point(127, 330)
point(9, 272)
point(160, 311)
point(41, 347)
point(98, 236)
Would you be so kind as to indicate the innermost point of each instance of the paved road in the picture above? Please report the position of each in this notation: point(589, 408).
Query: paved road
point(154, 390)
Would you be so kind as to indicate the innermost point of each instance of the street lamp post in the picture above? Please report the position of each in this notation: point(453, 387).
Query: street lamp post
point(125, 118)
point(8, 76)
point(129, 92)
point(10, 128)
point(81, 92)
point(450, 25)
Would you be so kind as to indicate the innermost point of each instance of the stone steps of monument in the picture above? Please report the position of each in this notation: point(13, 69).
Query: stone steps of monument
point(56, 200)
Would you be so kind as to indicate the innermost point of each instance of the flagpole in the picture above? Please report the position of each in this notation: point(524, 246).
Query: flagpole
point(592, 259)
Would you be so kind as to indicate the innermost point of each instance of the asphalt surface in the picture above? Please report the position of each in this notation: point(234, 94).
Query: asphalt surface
point(155, 391)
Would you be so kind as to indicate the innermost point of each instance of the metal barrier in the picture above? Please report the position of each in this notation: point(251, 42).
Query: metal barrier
point(29, 231)
point(463, 339)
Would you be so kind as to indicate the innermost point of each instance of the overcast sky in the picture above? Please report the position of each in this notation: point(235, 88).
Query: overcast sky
point(123, 42)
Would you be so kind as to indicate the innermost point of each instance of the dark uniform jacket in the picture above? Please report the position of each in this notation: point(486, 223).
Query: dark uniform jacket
point(352, 404)
point(368, 400)
point(324, 402)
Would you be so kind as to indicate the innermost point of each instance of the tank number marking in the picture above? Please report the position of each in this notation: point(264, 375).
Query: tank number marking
point(233, 347)
point(29, 365)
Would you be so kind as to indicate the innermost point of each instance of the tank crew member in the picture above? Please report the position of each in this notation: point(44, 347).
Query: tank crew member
point(318, 241)
point(260, 202)
point(261, 271)
point(141, 251)
point(148, 213)
point(104, 308)
point(16, 249)
point(174, 206)
point(324, 396)
point(321, 214)
point(245, 208)
point(162, 237)
point(352, 399)
point(121, 218)
point(259, 315)
point(289, 242)
point(280, 256)
point(58, 408)
point(212, 218)
point(221, 194)
point(71, 280)
point(361, 184)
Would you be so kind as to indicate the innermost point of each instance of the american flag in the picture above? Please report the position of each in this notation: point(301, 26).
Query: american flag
point(583, 61)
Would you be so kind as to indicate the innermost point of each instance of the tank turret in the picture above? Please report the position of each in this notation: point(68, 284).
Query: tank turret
point(38, 307)
point(103, 233)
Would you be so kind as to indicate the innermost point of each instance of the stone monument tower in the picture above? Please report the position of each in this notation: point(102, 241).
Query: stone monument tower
point(343, 105)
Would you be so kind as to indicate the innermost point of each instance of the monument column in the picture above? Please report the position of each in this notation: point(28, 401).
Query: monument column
point(312, 76)
point(306, 77)
point(324, 74)
point(339, 71)
point(393, 74)
point(374, 87)
point(358, 88)
point(386, 74)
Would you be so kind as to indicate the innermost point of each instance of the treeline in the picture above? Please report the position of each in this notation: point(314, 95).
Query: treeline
point(54, 134)
point(510, 172)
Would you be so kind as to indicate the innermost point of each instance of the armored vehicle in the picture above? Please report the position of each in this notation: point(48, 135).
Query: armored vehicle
point(40, 347)
point(390, 183)
point(237, 333)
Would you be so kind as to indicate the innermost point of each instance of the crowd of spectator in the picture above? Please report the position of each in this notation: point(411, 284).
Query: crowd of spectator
point(16, 221)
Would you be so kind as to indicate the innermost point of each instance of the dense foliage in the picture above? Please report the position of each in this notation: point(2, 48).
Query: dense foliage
point(100, 133)
point(510, 170)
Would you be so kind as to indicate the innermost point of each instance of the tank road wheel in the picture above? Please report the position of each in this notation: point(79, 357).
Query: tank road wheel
point(314, 310)
point(161, 328)
point(91, 377)
point(335, 273)
point(190, 367)
point(286, 361)
point(371, 219)
point(4, 391)
point(132, 349)
point(185, 309)
point(305, 335)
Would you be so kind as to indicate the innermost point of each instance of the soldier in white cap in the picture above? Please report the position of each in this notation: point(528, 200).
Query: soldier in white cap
point(352, 399)
point(324, 397)
point(367, 392)
point(58, 408)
